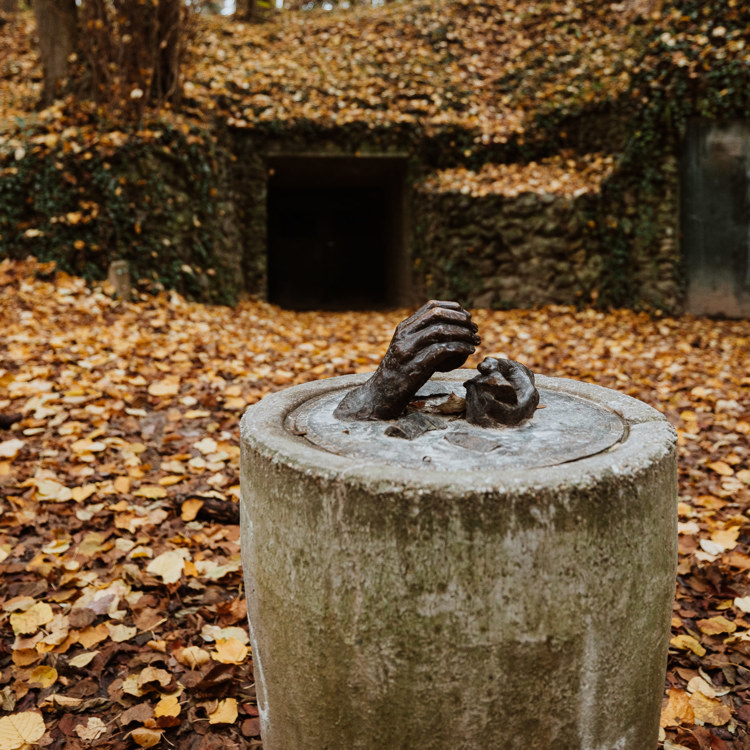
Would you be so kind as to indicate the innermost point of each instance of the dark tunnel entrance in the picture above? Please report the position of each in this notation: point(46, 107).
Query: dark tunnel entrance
point(335, 232)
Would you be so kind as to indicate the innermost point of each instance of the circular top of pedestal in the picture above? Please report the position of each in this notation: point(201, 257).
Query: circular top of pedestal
point(565, 428)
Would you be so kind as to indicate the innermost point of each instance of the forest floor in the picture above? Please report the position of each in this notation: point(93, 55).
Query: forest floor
point(121, 609)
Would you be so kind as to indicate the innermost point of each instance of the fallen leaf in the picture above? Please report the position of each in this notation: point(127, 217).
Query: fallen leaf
point(710, 711)
point(698, 685)
point(677, 710)
point(82, 660)
point(151, 491)
point(151, 678)
point(29, 621)
point(230, 651)
point(49, 491)
point(92, 730)
point(43, 676)
point(120, 633)
point(716, 625)
point(90, 636)
point(19, 730)
point(164, 388)
point(225, 713)
point(144, 737)
point(192, 656)
point(169, 565)
point(11, 448)
point(688, 643)
point(190, 509)
point(727, 538)
point(167, 711)
point(721, 467)
point(206, 446)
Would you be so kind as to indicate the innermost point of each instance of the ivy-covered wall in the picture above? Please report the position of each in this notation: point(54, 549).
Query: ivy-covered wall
point(156, 197)
point(506, 248)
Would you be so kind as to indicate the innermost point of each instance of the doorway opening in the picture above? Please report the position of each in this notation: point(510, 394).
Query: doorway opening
point(336, 230)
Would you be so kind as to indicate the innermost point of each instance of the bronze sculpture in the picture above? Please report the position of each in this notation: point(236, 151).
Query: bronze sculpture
point(439, 337)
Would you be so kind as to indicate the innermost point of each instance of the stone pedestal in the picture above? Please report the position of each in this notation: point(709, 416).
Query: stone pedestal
point(472, 588)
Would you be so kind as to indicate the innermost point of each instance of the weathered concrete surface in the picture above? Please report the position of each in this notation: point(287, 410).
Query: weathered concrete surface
point(393, 608)
point(716, 220)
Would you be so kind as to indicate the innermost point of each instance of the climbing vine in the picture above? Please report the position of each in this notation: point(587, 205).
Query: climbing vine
point(86, 197)
point(695, 65)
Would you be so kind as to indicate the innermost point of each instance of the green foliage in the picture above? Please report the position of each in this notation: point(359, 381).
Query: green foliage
point(693, 63)
point(148, 196)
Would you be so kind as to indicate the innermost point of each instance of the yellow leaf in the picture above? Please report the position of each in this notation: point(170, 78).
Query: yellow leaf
point(91, 635)
point(23, 657)
point(43, 676)
point(164, 388)
point(82, 660)
point(130, 686)
point(677, 710)
point(727, 538)
point(146, 737)
point(190, 569)
point(698, 685)
point(168, 565)
point(28, 622)
point(10, 448)
point(82, 493)
point(47, 490)
point(120, 633)
point(710, 711)
point(151, 678)
point(18, 730)
point(192, 657)
point(168, 481)
point(225, 713)
point(215, 633)
point(688, 643)
point(56, 547)
point(721, 467)
point(151, 491)
point(206, 446)
point(716, 625)
point(122, 485)
point(190, 509)
point(86, 445)
point(167, 711)
point(744, 476)
point(230, 651)
point(169, 705)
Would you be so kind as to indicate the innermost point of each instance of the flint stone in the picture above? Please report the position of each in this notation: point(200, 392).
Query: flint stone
point(523, 609)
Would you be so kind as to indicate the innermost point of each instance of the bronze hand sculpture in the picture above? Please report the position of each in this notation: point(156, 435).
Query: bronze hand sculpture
point(439, 337)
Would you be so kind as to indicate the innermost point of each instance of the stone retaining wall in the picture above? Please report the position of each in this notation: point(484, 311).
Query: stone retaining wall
point(501, 252)
point(501, 247)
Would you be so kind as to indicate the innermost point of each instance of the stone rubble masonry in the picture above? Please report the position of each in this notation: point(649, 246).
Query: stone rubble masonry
point(499, 250)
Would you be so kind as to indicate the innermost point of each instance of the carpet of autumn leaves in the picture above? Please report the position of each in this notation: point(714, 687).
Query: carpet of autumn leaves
point(121, 605)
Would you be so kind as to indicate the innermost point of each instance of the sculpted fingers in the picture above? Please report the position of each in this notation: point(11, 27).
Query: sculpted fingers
point(435, 312)
point(430, 358)
point(503, 393)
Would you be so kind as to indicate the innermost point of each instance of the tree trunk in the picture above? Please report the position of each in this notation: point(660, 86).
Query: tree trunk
point(56, 22)
point(256, 11)
point(8, 6)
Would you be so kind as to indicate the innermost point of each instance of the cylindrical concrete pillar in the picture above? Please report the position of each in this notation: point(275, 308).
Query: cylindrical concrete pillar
point(472, 588)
